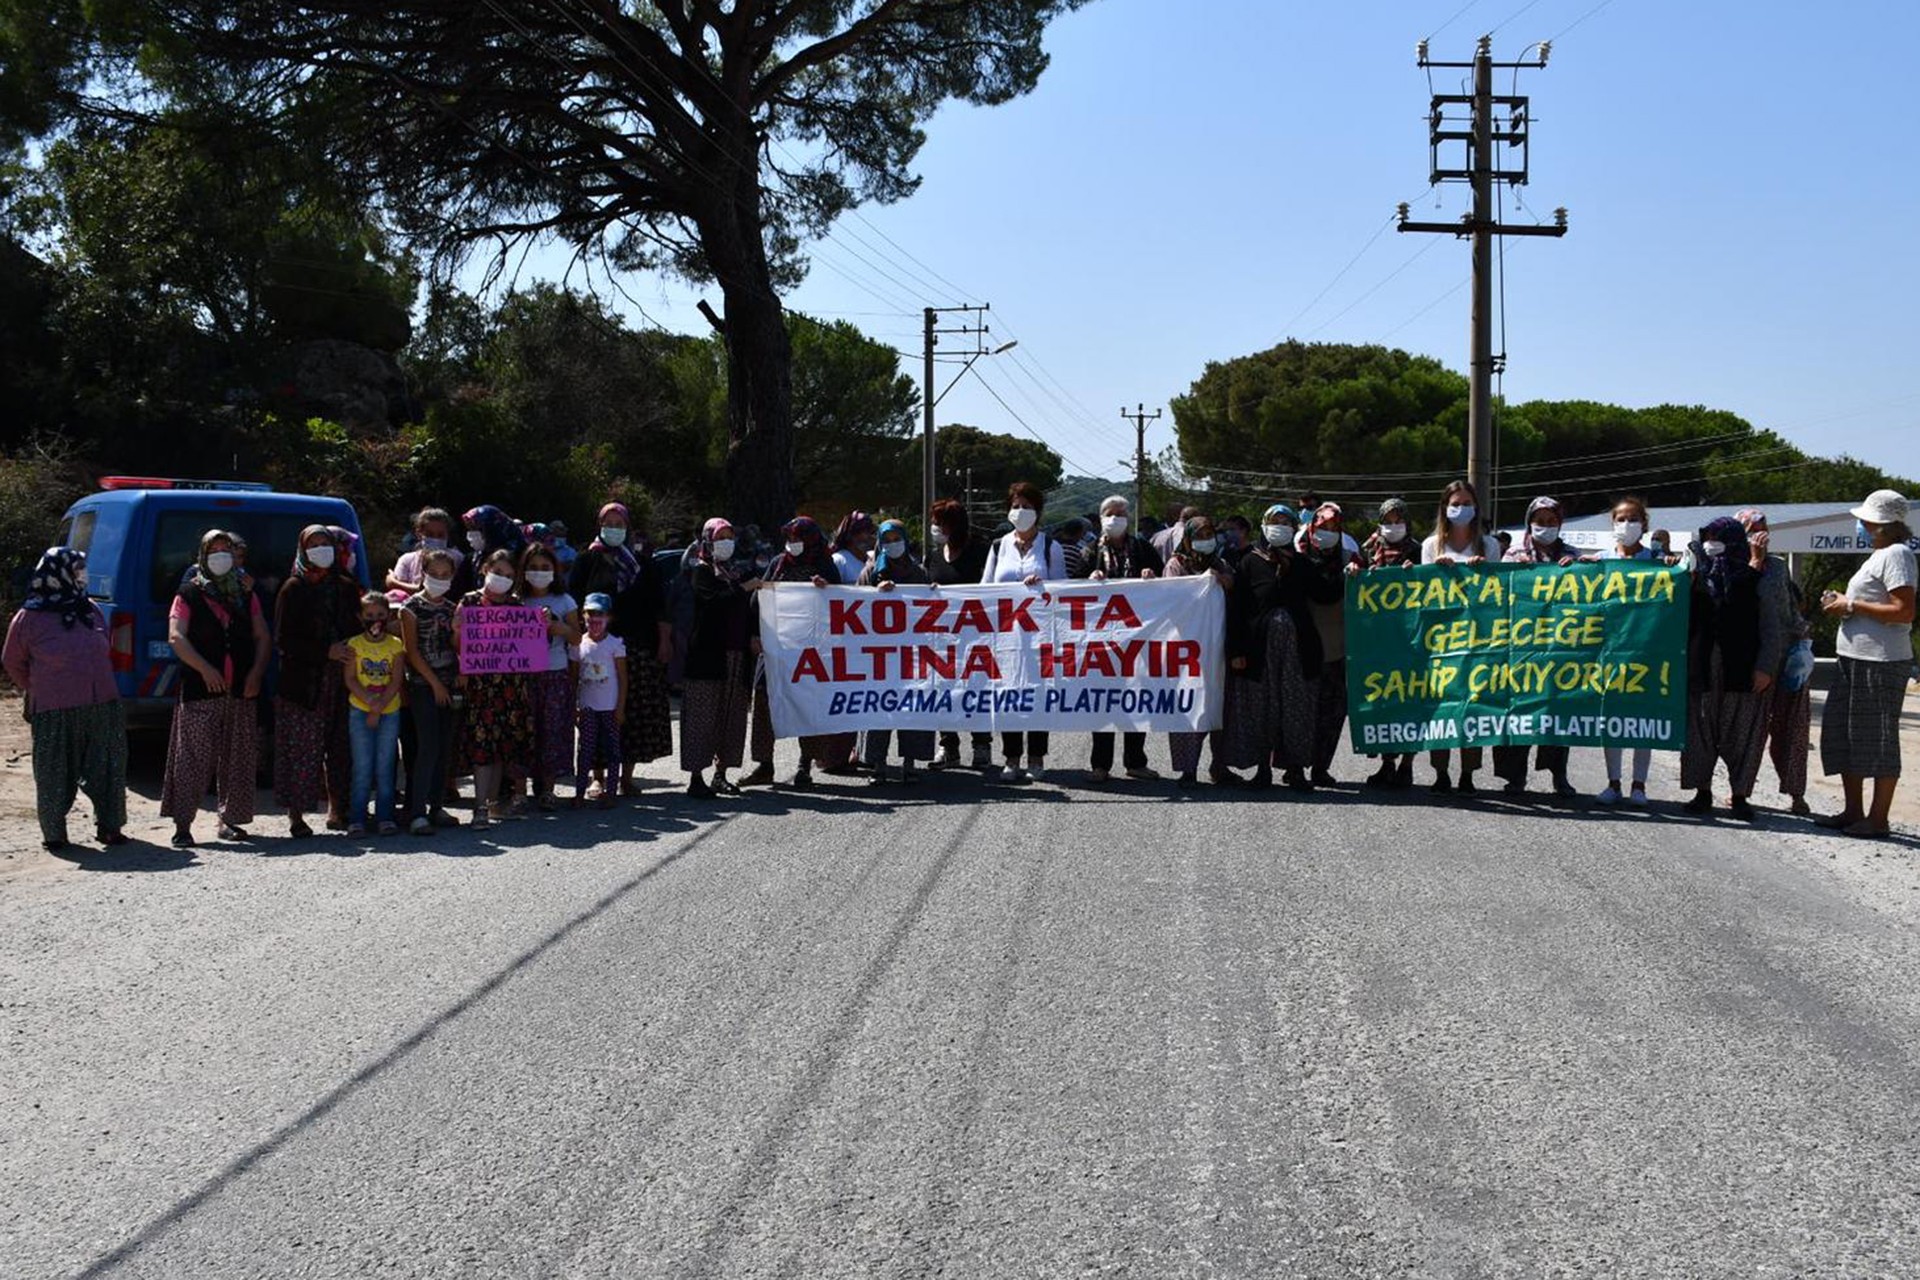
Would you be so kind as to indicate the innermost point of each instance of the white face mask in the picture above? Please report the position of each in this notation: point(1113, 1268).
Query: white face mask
point(1023, 518)
point(1325, 539)
point(613, 535)
point(1205, 546)
point(1393, 534)
point(1627, 532)
point(477, 540)
point(1278, 535)
point(796, 549)
point(499, 584)
point(433, 544)
point(220, 563)
point(320, 557)
point(1113, 526)
point(723, 549)
point(1547, 533)
point(542, 578)
point(437, 587)
point(939, 536)
point(893, 548)
point(1714, 549)
point(1460, 514)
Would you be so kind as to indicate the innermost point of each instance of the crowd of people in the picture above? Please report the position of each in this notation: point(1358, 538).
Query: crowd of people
point(370, 681)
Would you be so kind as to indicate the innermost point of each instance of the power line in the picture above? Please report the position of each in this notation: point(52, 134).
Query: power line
point(1582, 18)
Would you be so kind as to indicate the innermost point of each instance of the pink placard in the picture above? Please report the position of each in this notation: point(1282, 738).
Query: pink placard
point(502, 640)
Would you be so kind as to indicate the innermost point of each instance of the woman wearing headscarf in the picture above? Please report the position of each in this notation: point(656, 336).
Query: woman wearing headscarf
point(956, 555)
point(1391, 547)
point(57, 653)
point(1790, 719)
point(1328, 556)
point(1860, 728)
point(1027, 556)
point(1198, 552)
point(894, 564)
point(497, 728)
point(1120, 555)
point(1539, 543)
point(852, 543)
point(1270, 703)
point(713, 714)
point(489, 529)
point(803, 557)
point(1459, 537)
point(618, 564)
point(216, 629)
point(1736, 638)
point(315, 614)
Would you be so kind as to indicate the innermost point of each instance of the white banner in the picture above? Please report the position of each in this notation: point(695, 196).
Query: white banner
point(1144, 656)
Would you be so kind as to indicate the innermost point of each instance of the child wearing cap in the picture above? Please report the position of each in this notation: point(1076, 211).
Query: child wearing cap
point(602, 703)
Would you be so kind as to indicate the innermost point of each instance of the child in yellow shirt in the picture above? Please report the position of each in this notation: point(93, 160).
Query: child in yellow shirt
point(374, 683)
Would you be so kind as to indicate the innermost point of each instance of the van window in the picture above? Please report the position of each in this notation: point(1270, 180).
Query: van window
point(271, 539)
point(101, 532)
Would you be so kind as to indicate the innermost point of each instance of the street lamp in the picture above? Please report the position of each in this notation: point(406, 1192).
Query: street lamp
point(927, 459)
point(1002, 349)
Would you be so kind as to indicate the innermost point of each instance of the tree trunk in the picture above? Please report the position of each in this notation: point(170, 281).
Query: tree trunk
point(759, 361)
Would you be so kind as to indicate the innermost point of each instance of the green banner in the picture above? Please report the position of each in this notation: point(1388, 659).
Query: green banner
point(1453, 656)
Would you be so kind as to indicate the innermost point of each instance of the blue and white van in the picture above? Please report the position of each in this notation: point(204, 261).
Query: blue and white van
point(141, 533)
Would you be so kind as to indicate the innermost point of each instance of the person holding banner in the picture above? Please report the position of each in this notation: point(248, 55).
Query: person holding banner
point(1538, 544)
point(1631, 528)
point(1790, 722)
point(1459, 537)
point(893, 563)
point(1390, 548)
point(713, 711)
point(1026, 555)
point(1270, 700)
point(1328, 555)
point(957, 556)
point(498, 723)
point(550, 690)
point(853, 541)
point(1121, 554)
point(1737, 637)
point(1198, 552)
point(804, 558)
point(1860, 729)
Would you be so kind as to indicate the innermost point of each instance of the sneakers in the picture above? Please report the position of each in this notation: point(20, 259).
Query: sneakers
point(420, 826)
point(356, 830)
point(1014, 771)
point(1639, 798)
point(388, 829)
point(1611, 796)
point(1038, 773)
point(982, 758)
point(947, 759)
point(441, 820)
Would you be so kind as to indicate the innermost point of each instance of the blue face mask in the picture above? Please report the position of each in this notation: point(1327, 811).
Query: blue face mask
point(1863, 533)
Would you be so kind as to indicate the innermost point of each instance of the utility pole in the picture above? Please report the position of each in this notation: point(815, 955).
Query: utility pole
point(1481, 226)
point(930, 399)
point(1140, 418)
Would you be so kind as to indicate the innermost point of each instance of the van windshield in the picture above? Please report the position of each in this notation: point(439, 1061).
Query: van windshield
point(271, 538)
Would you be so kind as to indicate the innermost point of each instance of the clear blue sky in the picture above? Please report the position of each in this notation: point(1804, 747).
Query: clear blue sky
point(1740, 176)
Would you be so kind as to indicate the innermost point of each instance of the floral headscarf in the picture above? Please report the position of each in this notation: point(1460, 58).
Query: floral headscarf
point(55, 586)
point(855, 524)
point(304, 568)
point(625, 565)
point(1381, 554)
point(881, 560)
point(1524, 551)
point(1195, 561)
point(814, 560)
point(349, 543)
point(1732, 566)
point(499, 529)
point(231, 586)
point(703, 549)
point(1327, 515)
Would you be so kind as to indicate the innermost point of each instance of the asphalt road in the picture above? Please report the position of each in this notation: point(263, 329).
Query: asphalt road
point(1067, 1032)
